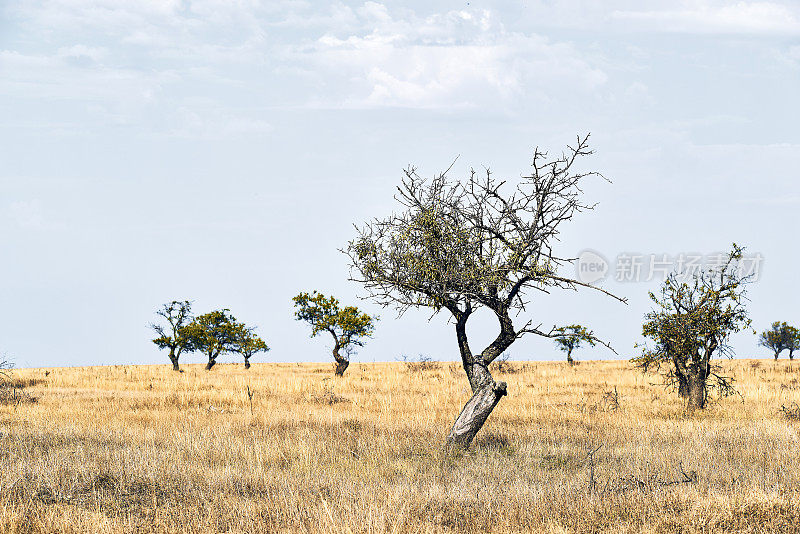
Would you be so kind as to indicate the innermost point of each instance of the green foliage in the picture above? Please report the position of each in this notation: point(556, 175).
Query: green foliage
point(693, 321)
point(780, 336)
point(347, 325)
point(249, 344)
point(214, 333)
point(569, 338)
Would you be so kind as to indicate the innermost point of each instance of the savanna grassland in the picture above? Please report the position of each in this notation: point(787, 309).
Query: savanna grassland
point(142, 448)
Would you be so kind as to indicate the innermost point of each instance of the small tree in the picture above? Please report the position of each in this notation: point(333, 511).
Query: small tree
point(481, 243)
point(347, 325)
point(569, 338)
point(793, 335)
point(692, 323)
point(214, 333)
point(248, 345)
point(178, 314)
point(780, 336)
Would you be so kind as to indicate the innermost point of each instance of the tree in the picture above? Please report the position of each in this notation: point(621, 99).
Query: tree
point(780, 336)
point(347, 325)
point(248, 345)
point(794, 341)
point(461, 246)
point(569, 338)
point(214, 333)
point(177, 314)
point(692, 323)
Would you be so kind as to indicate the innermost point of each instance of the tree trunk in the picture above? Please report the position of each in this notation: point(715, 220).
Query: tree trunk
point(247, 363)
point(683, 386)
point(486, 393)
point(211, 363)
point(474, 414)
point(776, 356)
point(341, 361)
point(791, 354)
point(174, 360)
point(697, 391)
point(341, 366)
point(569, 358)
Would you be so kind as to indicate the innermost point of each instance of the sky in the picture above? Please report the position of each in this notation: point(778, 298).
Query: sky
point(221, 151)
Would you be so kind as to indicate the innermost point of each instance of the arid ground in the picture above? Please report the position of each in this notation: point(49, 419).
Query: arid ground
point(598, 447)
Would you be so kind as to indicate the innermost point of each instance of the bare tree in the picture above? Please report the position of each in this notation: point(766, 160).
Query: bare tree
point(459, 246)
point(692, 323)
point(178, 314)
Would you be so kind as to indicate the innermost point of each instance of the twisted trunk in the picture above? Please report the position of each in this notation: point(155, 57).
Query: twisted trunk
point(174, 359)
point(475, 413)
point(212, 360)
point(486, 393)
point(569, 357)
point(247, 362)
point(341, 361)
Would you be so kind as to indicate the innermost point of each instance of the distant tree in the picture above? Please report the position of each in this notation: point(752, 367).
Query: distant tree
point(248, 345)
point(774, 338)
point(347, 325)
point(463, 245)
point(794, 341)
point(780, 336)
point(177, 314)
point(214, 333)
point(692, 323)
point(569, 338)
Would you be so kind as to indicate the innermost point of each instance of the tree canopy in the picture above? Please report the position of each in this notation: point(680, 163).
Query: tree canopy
point(214, 333)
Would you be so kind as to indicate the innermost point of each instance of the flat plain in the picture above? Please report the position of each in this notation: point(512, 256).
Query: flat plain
point(598, 447)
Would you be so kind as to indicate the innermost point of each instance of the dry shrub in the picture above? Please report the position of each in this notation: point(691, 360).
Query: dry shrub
point(327, 396)
point(12, 391)
point(791, 412)
point(609, 402)
point(423, 363)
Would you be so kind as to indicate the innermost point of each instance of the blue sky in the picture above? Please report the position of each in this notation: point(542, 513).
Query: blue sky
point(221, 151)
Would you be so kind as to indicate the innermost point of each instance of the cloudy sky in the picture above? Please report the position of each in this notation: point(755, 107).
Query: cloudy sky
point(221, 151)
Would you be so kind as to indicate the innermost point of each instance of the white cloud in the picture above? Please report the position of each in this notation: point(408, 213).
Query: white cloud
point(26, 213)
point(214, 123)
point(718, 17)
point(82, 52)
point(456, 59)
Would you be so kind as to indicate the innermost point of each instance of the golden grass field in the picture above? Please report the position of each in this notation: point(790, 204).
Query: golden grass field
point(145, 449)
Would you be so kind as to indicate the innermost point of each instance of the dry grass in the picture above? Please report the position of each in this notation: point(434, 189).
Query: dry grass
point(140, 449)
